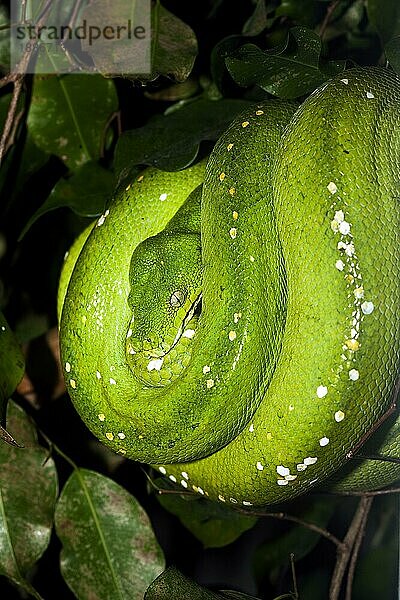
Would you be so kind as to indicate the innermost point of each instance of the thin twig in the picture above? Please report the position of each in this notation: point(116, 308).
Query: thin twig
point(345, 548)
point(356, 550)
point(294, 578)
point(331, 8)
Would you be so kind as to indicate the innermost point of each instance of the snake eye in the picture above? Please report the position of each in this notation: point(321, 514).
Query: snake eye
point(177, 298)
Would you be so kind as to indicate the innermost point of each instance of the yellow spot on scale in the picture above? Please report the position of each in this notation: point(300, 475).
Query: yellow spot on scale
point(121, 451)
point(232, 191)
point(210, 383)
point(229, 147)
point(109, 436)
point(259, 112)
point(237, 317)
point(235, 215)
point(232, 335)
point(352, 345)
point(233, 232)
point(72, 383)
point(140, 178)
point(252, 259)
point(269, 436)
point(67, 367)
point(222, 176)
point(84, 319)
point(102, 417)
point(245, 123)
point(206, 369)
point(128, 187)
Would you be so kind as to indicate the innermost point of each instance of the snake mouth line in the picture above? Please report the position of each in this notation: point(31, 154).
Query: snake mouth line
point(195, 308)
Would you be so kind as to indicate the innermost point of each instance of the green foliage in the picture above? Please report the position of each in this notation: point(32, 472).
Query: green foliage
point(28, 491)
point(292, 69)
point(211, 523)
point(12, 364)
point(69, 116)
point(208, 61)
point(172, 585)
point(109, 547)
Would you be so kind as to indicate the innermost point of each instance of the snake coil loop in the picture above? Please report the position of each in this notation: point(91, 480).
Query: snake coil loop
point(244, 335)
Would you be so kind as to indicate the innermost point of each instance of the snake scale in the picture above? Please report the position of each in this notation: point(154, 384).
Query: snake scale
point(236, 324)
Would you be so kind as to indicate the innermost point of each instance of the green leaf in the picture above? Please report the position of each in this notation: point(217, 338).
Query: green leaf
point(173, 46)
point(214, 525)
point(384, 16)
point(86, 192)
point(392, 53)
point(290, 70)
point(28, 492)
point(172, 585)
point(69, 115)
point(4, 39)
point(298, 540)
point(171, 142)
point(109, 548)
point(12, 365)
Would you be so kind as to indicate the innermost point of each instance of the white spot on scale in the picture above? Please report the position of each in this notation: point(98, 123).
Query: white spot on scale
point(354, 374)
point(259, 466)
point(172, 478)
point(121, 435)
point(128, 335)
point(251, 428)
point(200, 491)
point(367, 308)
point(345, 81)
point(301, 467)
point(339, 264)
point(370, 95)
point(210, 383)
point(232, 335)
point(206, 369)
point(185, 475)
point(310, 460)
point(163, 197)
point(184, 483)
point(189, 333)
point(101, 417)
point(332, 187)
point(323, 442)
point(322, 391)
point(290, 477)
point(155, 364)
point(344, 228)
point(282, 482)
point(112, 381)
point(281, 470)
point(246, 503)
point(162, 470)
point(98, 374)
point(221, 498)
point(67, 367)
point(339, 416)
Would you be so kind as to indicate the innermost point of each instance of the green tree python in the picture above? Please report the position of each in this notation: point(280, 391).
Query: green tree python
point(236, 324)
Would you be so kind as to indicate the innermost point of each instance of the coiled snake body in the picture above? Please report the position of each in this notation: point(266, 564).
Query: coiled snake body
point(246, 340)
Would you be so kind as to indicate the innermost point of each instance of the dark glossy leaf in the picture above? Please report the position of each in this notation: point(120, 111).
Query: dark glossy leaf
point(69, 115)
point(109, 548)
point(171, 142)
point(28, 491)
point(4, 39)
point(173, 46)
point(392, 52)
point(214, 525)
point(12, 365)
point(86, 192)
point(288, 71)
point(384, 16)
point(121, 52)
point(173, 585)
point(298, 540)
